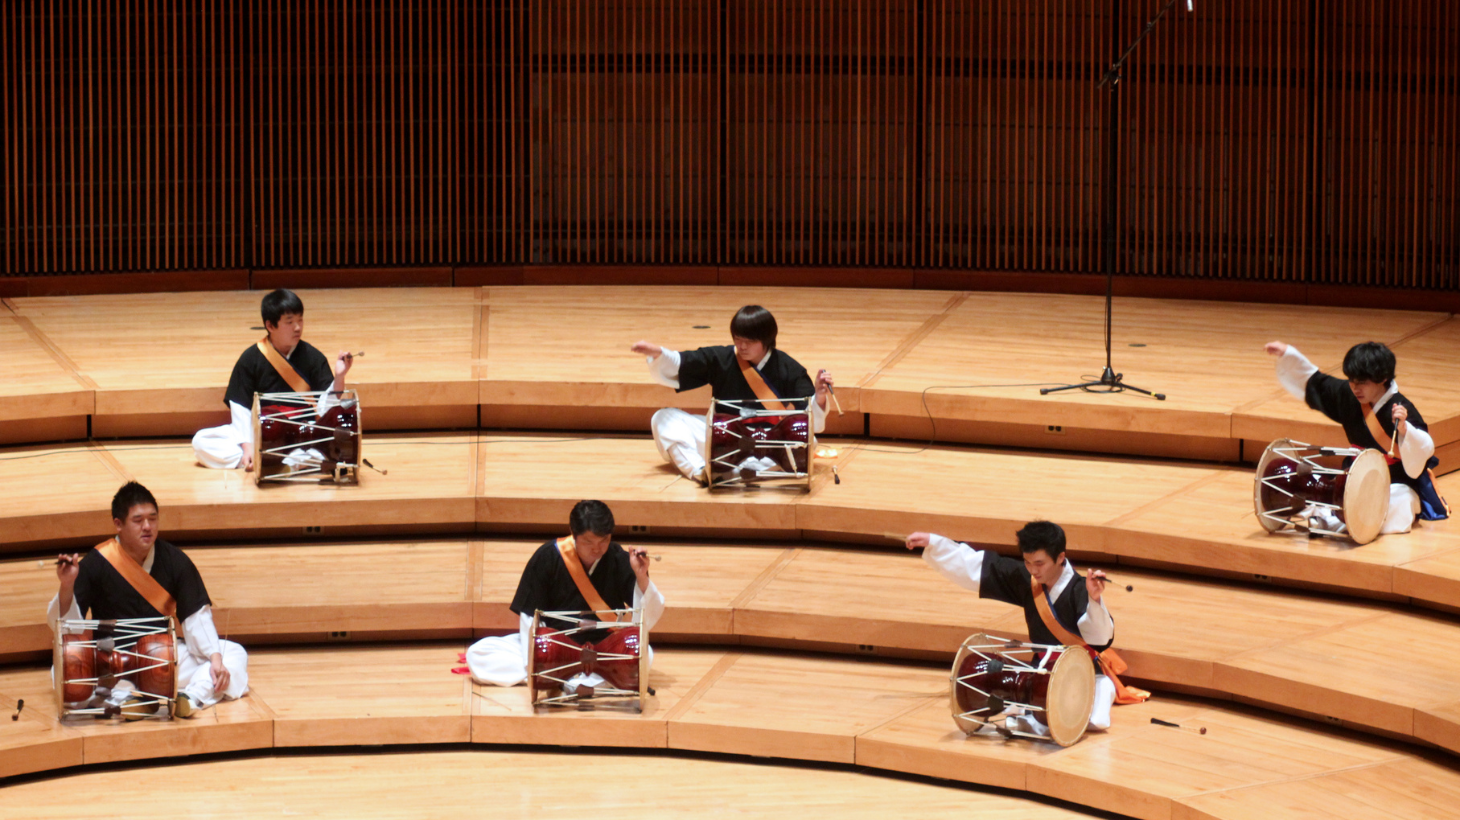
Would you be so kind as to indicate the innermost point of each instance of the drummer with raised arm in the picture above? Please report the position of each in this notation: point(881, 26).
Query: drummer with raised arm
point(139, 575)
point(752, 370)
point(1061, 607)
point(584, 572)
point(281, 362)
point(1374, 414)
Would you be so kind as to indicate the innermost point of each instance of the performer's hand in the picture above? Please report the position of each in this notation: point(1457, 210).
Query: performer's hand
point(1401, 413)
point(639, 561)
point(644, 348)
point(67, 568)
point(220, 673)
point(343, 363)
point(1276, 348)
point(824, 383)
point(919, 540)
point(246, 461)
point(1095, 584)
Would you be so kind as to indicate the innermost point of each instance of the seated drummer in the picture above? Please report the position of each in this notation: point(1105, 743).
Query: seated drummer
point(139, 575)
point(1074, 609)
point(566, 575)
point(281, 363)
point(1374, 414)
point(751, 370)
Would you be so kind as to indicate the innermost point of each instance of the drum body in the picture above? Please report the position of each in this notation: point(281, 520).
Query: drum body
point(736, 433)
point(994, 678)
point(618, 652)
point(89, 665)
point(295, 443)
point(1347, 483)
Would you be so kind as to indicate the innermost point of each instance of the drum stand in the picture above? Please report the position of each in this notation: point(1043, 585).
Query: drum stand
point(578, 659)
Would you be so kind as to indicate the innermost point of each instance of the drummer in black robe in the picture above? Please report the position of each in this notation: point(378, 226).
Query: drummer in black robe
point(619, 576)
point(231, 445)
point(680, 436)
point(209, 669)
point(1374, 415)
point(1076, 601)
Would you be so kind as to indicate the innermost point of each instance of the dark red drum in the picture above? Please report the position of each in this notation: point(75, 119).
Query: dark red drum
point(557, 658)
point(317, 448)
point(78, 664)
point(157, 668)
point(994, 678)
point(783, 438)
point(1349, 484)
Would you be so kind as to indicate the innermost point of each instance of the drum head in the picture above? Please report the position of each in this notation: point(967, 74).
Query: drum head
point(1071, 696)
point(1267, 457)
point(1366, 496)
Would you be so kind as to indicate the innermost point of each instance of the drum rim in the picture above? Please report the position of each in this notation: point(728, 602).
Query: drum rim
point(1267, 457)
point(1365, 528)
point(1074, 663)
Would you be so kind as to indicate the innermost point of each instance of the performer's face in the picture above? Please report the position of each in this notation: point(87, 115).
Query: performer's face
point(139, 530)
point(591, 546)
point(749, 349)
point(1366, 392)
point(1045, 570)
point(287, 333)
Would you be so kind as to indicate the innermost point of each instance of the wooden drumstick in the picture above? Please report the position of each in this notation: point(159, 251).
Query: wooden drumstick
point(832, 391)
point(1201, 730)
point(1393, 439)
point(645, 554)
point(19, 704)
point(1109, 580)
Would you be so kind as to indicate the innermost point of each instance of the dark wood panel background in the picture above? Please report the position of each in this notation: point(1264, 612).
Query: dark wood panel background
point(1283, 141)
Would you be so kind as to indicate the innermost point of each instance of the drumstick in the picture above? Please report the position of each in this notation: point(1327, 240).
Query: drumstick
point(1201, 730)
point(1109, 580)
point(19, 704)
point(1393, 439)
point(645, 554)
point(894, 536)
point(832, 391)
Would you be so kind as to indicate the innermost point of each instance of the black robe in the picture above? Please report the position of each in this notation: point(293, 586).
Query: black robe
point(1332, 397)
point(546, 585)
point(253, 373)
point(1007, 579)
point(718, 367)
point(103, 592)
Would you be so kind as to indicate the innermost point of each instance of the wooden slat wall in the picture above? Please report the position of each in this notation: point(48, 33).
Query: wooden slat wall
point(1282, 141)
point(121, 135)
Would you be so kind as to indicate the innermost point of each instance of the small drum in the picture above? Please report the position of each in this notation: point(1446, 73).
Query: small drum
point(617, 651)
point(781, 441)
point(293, 442)
point(89, 665)
point(994, 678)
point(1345, 483)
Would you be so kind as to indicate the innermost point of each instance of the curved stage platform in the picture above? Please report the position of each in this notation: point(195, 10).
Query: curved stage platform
point(557, 357)
point(875, 714)
point(1333, 660)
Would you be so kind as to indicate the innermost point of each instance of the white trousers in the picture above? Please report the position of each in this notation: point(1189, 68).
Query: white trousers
point(1403, 507)
point(220, 448)
point(195, 677)
point(680, 438)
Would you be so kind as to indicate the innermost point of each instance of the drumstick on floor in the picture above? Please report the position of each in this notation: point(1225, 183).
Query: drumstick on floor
point(19, 704)
point(1201, 730)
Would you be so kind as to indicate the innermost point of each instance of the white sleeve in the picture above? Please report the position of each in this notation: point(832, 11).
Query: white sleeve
point(652, 602)
point(1415, 448)
point(201, 634)
point(524, 627)
point(328, 400)
point(1293, 372)
point(818, 414)
point(54, 616)
point(1096, 625)
point(665, 368)
point(242, 423)
point(959, 563)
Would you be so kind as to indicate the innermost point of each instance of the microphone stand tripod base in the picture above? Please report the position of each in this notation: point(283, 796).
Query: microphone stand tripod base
point(1109, 382)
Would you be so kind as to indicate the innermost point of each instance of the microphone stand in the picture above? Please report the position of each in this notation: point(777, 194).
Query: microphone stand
point(1111, 381)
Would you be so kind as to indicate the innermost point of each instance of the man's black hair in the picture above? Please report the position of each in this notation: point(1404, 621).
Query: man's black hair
point(1369, 362)
point(757, 323)
point(130, 495)
point(278, 303)
point(591, 516)
point(1042, 535)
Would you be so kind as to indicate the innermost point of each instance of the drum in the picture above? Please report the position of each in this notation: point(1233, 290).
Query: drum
point(781, 442)
point(1294, 480)
point(994, 678)
point(293, 442)
point(617, 651)
point(92, 663)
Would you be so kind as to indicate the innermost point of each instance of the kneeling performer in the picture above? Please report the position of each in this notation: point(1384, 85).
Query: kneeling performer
point(139, 575)
point(753, 369)
point(551, 583)
point(1060, 606)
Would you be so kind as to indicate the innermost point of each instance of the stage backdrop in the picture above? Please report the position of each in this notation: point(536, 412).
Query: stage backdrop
point(1309, 142)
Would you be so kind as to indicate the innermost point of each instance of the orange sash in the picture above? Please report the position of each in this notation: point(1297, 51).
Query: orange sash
point(147, 586)
point(569, 550)
point(758, 386)
point(1112, 663)
point(282, 366)
point(1371, 420)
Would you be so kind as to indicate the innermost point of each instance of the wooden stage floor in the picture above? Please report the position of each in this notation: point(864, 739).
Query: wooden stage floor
point(557, 357)
point(876, 714)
